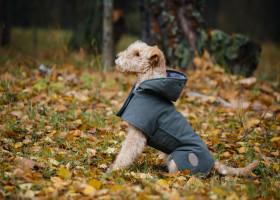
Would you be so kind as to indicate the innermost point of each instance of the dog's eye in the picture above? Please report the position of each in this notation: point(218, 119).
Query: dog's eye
point(137, 54)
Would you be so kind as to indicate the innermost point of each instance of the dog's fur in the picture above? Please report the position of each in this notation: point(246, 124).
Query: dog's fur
point(148, 62)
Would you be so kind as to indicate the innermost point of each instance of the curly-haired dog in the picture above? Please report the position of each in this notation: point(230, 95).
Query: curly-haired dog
point(153, 119)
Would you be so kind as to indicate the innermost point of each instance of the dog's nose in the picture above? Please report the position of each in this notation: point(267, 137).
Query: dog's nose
point(116, 57)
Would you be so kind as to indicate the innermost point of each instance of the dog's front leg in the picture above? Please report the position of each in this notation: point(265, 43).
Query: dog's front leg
point(132, 146)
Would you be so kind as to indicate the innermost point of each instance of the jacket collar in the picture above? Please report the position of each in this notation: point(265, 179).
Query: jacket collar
point(169, 87)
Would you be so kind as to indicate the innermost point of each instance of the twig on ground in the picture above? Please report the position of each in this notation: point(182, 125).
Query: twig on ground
point(257, 125)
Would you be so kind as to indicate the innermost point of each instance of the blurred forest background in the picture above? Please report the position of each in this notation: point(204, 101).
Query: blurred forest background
point(54, 30)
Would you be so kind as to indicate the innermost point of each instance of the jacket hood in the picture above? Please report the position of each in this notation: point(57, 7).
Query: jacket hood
point(169, 87)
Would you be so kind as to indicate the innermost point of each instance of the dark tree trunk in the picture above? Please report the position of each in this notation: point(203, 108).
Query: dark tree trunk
point(178, 28)
point(173, 26)
point(5, 21)
point(145, 22)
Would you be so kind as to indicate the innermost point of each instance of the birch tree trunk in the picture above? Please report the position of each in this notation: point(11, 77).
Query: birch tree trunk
point(108, 35)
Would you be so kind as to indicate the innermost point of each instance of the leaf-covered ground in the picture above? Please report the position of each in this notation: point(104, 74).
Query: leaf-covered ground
point(59, 134)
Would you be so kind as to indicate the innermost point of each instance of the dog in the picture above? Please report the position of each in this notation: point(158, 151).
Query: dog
point(153, 119)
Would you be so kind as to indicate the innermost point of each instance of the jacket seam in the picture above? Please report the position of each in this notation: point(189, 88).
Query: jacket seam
point(169, 133)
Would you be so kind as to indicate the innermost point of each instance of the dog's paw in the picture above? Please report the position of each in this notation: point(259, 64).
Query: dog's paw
point(109, 170)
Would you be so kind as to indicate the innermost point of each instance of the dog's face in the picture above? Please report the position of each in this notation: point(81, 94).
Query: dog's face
point(138, 58)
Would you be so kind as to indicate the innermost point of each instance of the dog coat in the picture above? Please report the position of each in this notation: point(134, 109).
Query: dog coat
point(149, 108)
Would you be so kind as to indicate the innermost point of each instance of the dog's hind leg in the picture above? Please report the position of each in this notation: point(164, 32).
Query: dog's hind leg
point(132, 146)
point(170, 163)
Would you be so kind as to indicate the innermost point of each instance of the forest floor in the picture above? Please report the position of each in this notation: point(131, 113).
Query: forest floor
point(59, 133)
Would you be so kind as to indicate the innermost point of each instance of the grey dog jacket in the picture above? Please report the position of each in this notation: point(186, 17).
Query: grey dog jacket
point(149, 108)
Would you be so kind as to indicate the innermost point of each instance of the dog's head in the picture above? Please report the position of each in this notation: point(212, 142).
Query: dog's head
point(139, 58)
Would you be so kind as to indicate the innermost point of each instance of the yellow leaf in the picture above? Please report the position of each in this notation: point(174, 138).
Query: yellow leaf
point(78, 122)
point(275, 139)
point(276, 167)
point(219, 192)
point(116, 187)
point(95, 183)
point(215, 132)
point(54, 96)
point(241, 150)
point(8, 187)
point(162, 182)
point(64, 173)
point(18, 144)
point(89, 190)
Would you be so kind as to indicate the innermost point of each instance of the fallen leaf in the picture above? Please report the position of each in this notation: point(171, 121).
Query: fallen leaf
point(62, 134)
point(95, 183)
point(29, 194)
point(161, 182)
point(116, 187)
point(89, 190)
point(53, 162)
point(241, 150)
point(275, 139)
point(25, 186)
point(18, 144)
point(64, 173)
point(16, 113)
point(175, 195)
point(25, 162)
point(276, 153)
point(110, 150)
point(248, 81)
point(219, 192)
point(226, 154)
point(194, 181)
point(276, 167)
point(257, 149)
point(103, 166)
point(91, 152)
point(18, 172)
point(232, 196)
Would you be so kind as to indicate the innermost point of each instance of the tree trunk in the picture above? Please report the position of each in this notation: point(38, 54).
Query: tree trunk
point(5, 21)
point(145, 22)
point(108, 35)
point(178, 28)
point(174, 26)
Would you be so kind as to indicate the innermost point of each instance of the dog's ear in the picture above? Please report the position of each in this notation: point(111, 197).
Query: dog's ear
point(154, 56)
